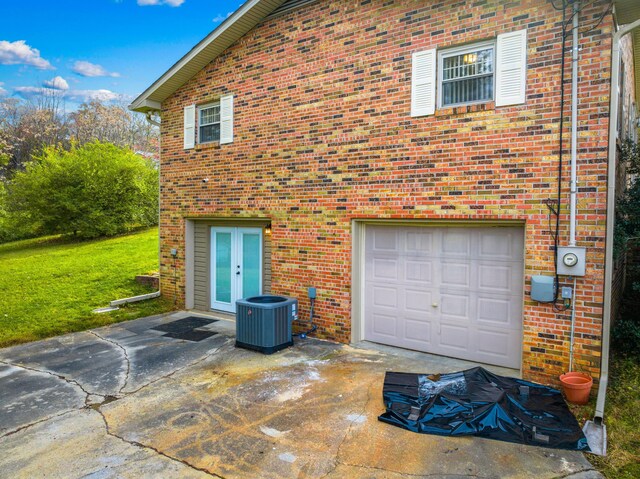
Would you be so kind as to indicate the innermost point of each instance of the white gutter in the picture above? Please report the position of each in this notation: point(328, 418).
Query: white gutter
point(151, 120)
point(611, 199)
point(573, 184)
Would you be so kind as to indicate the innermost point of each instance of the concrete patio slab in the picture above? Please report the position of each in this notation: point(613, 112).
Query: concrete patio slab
point(124, 401)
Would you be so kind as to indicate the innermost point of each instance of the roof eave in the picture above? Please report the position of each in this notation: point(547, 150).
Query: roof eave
point(228, 32)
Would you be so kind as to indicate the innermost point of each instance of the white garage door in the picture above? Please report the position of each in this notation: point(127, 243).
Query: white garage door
point(450, 291)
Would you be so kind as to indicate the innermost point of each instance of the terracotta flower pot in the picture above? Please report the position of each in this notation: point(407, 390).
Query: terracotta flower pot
point(576, 387)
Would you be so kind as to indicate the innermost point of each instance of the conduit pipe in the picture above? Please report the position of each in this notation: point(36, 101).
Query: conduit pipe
point(611, 199)
point(573, 184)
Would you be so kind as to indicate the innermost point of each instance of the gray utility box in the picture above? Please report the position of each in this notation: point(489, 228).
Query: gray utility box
point(543, 288)
point(263, 323)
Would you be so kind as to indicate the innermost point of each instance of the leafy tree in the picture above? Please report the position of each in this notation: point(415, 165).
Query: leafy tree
point(94, 190)
point(113, 123)
point(26, 129)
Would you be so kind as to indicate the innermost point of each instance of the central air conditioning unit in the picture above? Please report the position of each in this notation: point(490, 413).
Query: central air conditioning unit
point(263, 323)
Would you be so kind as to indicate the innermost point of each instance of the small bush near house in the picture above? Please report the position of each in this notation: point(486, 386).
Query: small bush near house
point(95, 190)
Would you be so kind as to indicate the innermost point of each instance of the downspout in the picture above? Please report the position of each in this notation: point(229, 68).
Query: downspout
point(157, 123)
point(574, 129)
point(611, 199)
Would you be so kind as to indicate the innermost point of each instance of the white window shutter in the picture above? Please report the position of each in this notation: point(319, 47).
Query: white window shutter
point(423, 83)
point(189, 126)
point(226, 119)
point(511, 68)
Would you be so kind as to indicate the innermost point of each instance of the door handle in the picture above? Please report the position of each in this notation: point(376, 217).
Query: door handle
point(434, 305)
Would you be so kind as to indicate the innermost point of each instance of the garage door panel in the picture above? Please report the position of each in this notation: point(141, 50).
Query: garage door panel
point(385, 325)
point(455, 242)
point(386, 269)
point(450, 291)
point(497, 347)
point(385, 240)
point(385, 296)
point(496, 278)
point(418, 271)
point(419, 243)
point(455, 274)
point(417, 300)
point(496, 244)
point(454, 337)
point(454, 307)
point(494, 310)
point(418, 331)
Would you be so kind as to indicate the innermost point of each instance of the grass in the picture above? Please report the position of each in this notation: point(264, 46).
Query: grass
point(50, 285)
point(622, 418)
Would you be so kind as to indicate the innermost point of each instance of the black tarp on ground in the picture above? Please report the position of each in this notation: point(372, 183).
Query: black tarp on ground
point(479, 403)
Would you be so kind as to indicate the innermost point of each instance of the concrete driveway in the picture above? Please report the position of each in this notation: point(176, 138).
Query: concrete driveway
point(133, 401)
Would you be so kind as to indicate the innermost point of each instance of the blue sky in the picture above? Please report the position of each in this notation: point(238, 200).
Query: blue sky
point(110, 49)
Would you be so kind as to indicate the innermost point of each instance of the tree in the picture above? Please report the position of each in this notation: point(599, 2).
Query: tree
point(113, 123)
point(98, 189)
point(26, 129)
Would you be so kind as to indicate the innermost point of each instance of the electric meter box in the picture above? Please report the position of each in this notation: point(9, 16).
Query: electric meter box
point(543, 288)
point(572, 260)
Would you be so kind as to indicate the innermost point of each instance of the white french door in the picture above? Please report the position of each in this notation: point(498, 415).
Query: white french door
point(236, 265)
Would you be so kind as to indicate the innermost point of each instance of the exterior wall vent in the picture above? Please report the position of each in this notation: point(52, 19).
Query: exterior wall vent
point(263, 323)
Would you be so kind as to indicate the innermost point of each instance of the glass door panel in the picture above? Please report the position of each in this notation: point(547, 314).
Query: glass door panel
point(251, 263)
point(222, 282)
point(236, 266)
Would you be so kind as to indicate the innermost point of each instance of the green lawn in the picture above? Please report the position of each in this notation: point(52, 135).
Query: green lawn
point(622, 418)
point(49, 286)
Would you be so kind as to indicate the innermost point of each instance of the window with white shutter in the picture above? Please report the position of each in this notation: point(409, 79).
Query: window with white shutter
point(476, 73)
point(423, 83)
point(511, 68)
point(189, 126)
point(226, 119)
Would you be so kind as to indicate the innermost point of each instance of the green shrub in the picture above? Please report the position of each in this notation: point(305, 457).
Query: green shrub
point(96, 190)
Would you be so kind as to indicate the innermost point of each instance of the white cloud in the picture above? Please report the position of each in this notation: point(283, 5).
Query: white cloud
point(32, 91)
point(56, 83)
point(88, 69)
point(171, 3)
point(2, 90)
point(78, 96)
point(219, 18)
point(88, 95)
point(19, 53)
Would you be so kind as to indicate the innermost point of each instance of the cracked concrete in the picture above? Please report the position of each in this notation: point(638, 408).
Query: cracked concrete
point(124, 401)
point(127, 361)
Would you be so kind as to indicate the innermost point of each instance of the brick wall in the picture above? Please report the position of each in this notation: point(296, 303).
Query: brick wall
point(323, 135)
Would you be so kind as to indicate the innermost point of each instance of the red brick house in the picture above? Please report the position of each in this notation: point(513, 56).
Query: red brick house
point(402, 157)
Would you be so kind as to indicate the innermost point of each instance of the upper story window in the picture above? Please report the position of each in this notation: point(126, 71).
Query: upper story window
point(467, 74)
point(215, 123)
point(494, 70)
point(209, 123)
